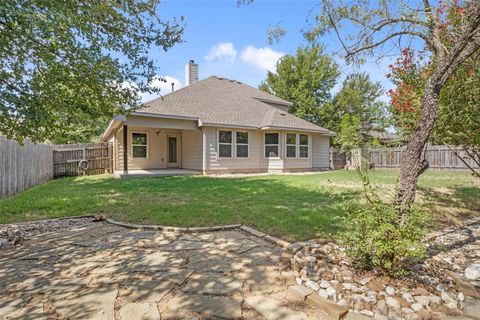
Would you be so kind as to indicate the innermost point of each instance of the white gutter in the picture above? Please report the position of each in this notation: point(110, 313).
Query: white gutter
point(219, 125)
point(324, 132)
point(165, 116)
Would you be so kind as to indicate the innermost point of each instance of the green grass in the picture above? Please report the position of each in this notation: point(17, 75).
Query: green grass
point(294, 207)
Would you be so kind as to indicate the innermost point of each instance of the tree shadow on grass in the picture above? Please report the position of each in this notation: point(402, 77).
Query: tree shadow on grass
point(278, 205)
point(452, 205)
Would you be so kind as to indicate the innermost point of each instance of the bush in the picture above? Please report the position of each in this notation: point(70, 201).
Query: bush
point(375, 240)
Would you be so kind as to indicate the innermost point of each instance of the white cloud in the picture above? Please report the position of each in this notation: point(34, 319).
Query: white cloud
point(262, 58)
point(164, 86)
point(223, 51)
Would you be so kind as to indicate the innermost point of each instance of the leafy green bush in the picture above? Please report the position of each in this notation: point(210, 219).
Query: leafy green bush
point(375, 240)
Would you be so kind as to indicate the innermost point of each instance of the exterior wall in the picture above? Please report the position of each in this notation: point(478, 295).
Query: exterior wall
point(320, 151)
point(256, 162)
point(192, 152)
point(157, 130)
point(157, 148)
point(193, 156)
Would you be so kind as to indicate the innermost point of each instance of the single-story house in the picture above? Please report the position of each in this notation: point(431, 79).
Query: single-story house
point(217, 126)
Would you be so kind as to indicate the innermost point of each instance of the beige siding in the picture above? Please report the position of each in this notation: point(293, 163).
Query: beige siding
point(154, 122)
point(157, 148)
point(256, 161)
point(214, 162)
point(320, 151)
point(192, 153)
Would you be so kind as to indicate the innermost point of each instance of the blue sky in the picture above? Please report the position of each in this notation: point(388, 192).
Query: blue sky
point(230, 41)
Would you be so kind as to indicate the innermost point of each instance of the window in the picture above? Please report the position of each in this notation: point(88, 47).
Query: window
point(271, 145)
point(225, 144)
point(139, 145)
point(303, 145)
point(291, 142)
point(242, 144)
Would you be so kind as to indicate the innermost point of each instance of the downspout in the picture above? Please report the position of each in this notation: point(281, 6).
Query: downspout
point(204, 152)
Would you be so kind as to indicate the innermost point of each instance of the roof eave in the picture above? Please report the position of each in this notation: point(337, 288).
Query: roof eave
point(321, 131)
point(114, 123)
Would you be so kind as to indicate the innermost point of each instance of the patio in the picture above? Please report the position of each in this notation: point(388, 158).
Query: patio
point(103, 271)
point(156, 173)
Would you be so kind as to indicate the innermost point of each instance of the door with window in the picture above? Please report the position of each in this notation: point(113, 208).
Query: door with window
point(172, 152)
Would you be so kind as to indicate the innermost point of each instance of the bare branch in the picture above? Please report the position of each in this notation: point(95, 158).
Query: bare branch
point(389, 37)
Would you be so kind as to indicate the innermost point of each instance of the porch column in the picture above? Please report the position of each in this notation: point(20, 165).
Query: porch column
point(125, 148)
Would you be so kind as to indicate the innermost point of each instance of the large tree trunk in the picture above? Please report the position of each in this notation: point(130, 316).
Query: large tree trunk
point(413, 164)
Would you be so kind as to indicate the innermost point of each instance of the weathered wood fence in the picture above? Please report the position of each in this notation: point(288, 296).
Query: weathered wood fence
point(69, 159)
point(338, 160)
point(23, 166)
point(438, 157)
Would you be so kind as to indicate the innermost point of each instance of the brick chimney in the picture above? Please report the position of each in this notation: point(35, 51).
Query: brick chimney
point(191, 73)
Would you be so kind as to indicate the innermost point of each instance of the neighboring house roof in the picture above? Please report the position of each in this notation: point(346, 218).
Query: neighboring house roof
point(220, 101)
point(384, 136)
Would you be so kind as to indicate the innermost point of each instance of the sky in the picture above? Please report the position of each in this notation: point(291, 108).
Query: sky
point(230, 41)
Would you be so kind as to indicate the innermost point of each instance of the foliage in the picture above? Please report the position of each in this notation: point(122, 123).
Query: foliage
point(66, 68)
point(349, 136)
point(374, 238)
point(306, 79)
point(359, 110)
point(457, 122)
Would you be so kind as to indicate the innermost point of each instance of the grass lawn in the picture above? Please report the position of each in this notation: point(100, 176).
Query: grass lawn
point(293, 207)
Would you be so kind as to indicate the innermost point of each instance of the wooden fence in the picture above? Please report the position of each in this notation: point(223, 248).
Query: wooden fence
point(440, 157)
point(338, 160)
point(23, 166)
point(67, 159)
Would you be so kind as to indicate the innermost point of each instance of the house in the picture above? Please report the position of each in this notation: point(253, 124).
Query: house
point(216, 126)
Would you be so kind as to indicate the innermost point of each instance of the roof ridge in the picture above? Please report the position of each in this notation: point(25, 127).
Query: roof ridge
point(170, 93)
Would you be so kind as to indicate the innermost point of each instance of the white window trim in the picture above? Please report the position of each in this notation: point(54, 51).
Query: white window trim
point(219, 143)
point(233, 144)
point(141, 145)
point(289, 145)
point(304, 145)
point(242, 144)
point(297, 145)
point(265, 145)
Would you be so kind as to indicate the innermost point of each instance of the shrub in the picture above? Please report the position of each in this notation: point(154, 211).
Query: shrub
point(375, 240)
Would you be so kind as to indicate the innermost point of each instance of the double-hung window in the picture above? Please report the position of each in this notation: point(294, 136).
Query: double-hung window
point(241, 141)
point(303, 139)
point(139, 145)
point(271, 145)
point(291, 142)
point(225, 144)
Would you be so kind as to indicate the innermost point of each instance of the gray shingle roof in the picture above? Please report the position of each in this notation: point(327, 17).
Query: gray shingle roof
point(220, 101)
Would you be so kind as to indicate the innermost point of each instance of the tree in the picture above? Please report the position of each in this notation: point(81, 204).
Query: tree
point(372, 25)
point(457, 123)
point(306, 79)
point(360, 111)
point(66, 68)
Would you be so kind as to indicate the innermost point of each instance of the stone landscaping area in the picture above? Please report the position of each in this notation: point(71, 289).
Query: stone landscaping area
point(87, 268)
point(81, 269)
point(445, 285)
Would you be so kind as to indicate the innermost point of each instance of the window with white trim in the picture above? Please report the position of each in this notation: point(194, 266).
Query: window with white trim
point(139, 145)
point(271, 145)
point(241, 141)
point(304, 145)
point(291, 143)
point(224, 144)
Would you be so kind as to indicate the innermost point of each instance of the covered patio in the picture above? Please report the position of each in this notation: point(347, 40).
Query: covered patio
point(156, 173)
